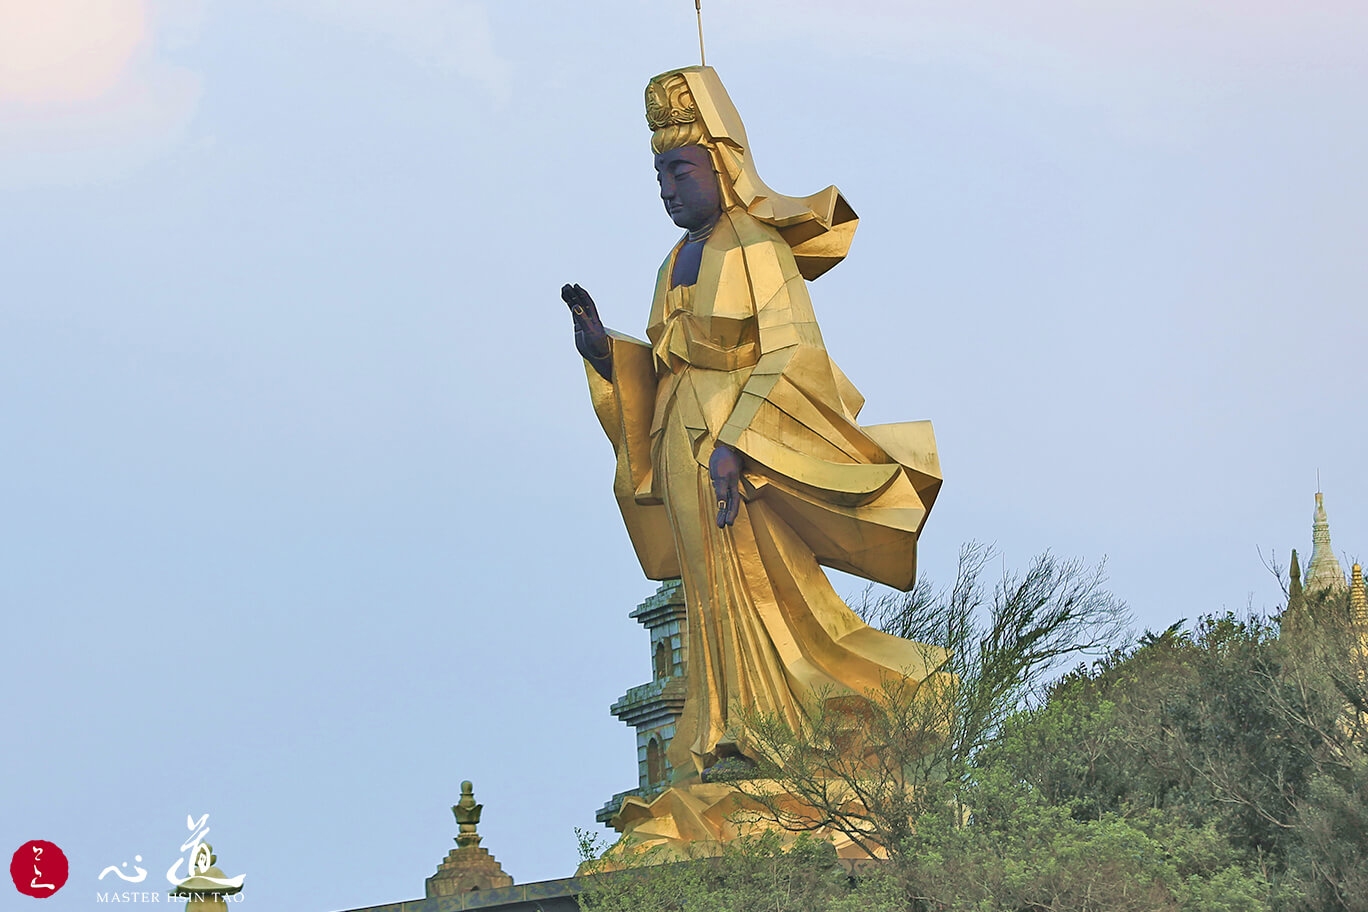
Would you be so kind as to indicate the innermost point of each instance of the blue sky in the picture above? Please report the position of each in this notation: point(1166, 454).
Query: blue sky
point(306, 517)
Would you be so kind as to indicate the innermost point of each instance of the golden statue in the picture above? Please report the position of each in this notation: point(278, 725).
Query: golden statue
point(741, 467)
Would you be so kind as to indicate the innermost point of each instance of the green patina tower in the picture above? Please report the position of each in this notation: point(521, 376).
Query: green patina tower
point(652, 708)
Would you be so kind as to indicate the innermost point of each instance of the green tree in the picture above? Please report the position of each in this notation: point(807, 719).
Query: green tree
point(753, 874)
point(1238, 727)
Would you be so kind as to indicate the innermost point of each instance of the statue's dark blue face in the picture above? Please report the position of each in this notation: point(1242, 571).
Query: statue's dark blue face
point(688, 187)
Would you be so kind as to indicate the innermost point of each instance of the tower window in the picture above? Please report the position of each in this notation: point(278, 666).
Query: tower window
point(655, 762)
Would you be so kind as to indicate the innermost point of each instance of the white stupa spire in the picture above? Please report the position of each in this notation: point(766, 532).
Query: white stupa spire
point(1324, 571)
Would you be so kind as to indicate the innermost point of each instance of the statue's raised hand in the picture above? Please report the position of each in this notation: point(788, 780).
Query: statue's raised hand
point(591, 339)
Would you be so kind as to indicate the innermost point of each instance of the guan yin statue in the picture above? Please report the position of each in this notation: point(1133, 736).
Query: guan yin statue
point(741, 467)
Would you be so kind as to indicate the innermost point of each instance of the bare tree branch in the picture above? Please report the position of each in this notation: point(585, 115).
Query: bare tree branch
point(865, 766)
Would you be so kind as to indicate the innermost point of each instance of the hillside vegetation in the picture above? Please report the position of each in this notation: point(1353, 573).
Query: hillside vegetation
point(1217, 765)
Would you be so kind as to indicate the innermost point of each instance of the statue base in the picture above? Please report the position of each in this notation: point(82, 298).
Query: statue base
point(695, 819)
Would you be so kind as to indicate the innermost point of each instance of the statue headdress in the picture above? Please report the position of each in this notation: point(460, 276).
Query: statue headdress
point(690, 107)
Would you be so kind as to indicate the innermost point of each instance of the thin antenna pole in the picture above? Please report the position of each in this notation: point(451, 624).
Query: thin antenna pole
point(698, 8)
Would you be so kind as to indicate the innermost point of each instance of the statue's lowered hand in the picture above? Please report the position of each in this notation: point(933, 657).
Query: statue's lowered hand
point(724, 467)
point(591, 339)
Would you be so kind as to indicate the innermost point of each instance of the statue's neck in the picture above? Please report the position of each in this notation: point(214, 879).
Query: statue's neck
point(699, 235)
point(690, 255)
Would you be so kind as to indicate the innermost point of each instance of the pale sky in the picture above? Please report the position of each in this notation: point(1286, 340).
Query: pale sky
point(306, 517)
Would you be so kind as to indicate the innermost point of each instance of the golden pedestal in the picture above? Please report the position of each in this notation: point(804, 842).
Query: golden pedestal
point(695, 819)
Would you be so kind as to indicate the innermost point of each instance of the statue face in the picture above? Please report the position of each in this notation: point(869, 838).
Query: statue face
point(688, 187)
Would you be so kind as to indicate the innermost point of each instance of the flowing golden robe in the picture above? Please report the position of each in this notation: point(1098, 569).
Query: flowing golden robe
point(737, 358)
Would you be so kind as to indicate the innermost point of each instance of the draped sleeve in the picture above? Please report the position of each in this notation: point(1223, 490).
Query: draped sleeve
point(624, 408)
point(858, 496)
